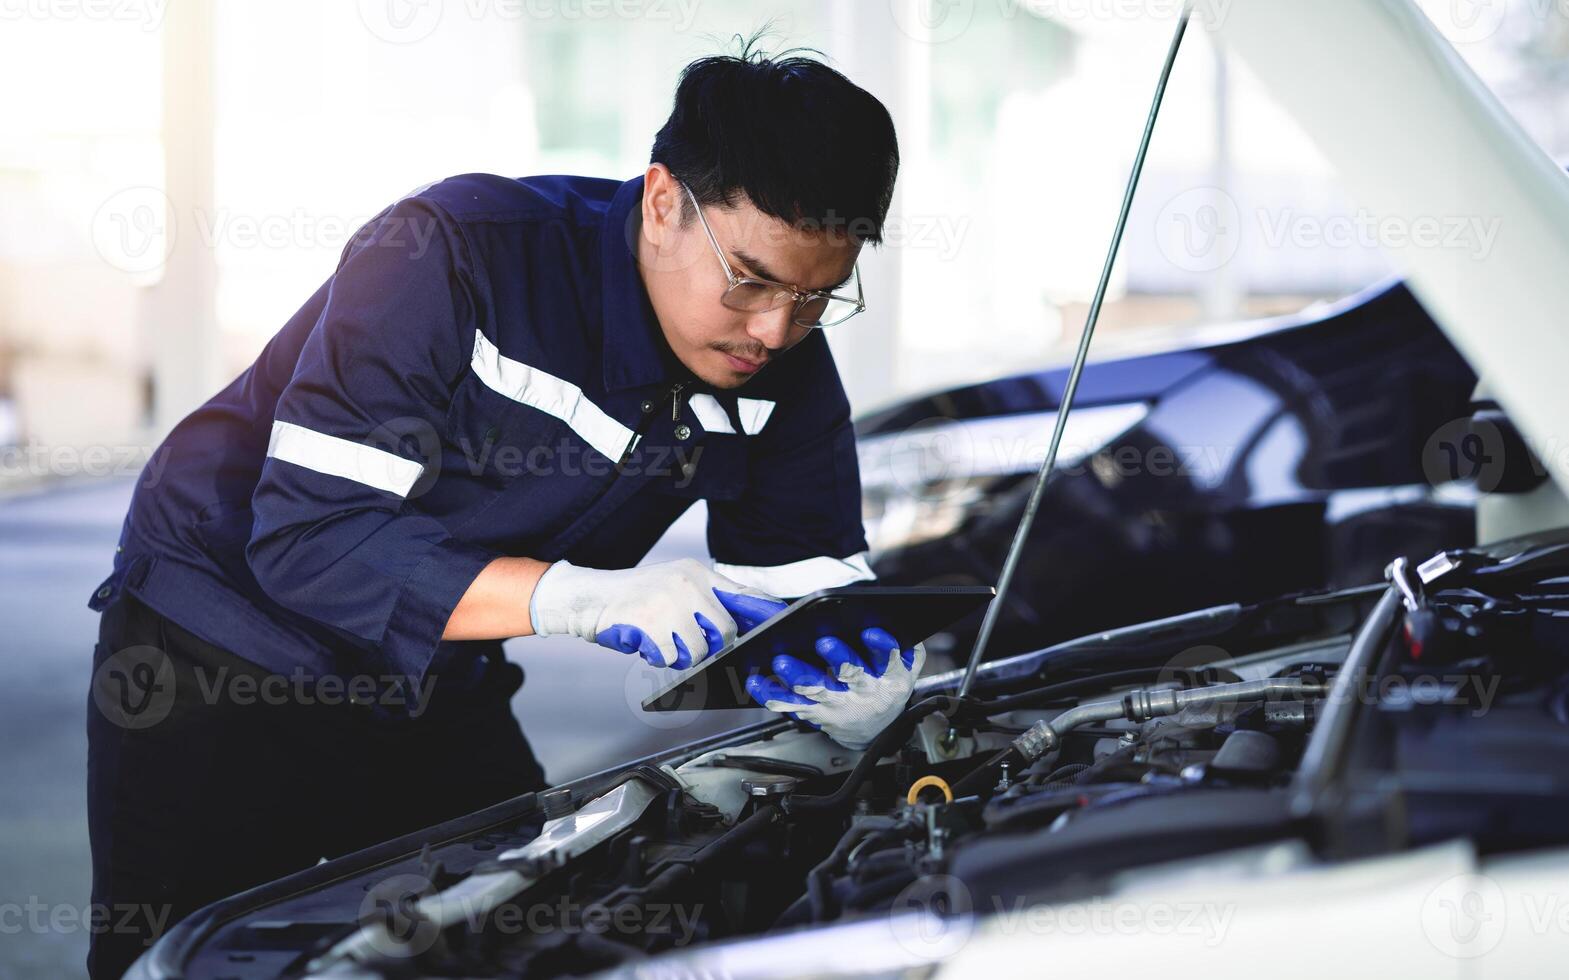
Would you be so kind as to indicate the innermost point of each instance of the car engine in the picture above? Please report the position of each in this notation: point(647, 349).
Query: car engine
point(1342, 725)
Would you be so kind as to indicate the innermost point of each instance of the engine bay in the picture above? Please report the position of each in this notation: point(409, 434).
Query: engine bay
point(1362, 722)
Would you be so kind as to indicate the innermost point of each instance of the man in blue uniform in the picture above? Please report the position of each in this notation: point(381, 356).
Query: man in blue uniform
point(473, 431)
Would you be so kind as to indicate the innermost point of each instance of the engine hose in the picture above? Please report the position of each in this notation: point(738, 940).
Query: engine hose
point(1064, 775)
point(717, 849)
point(1033, 698)
point(981, 777)
point(820, 877)
point(880, 889)
point(886, 741)
point(900, 728)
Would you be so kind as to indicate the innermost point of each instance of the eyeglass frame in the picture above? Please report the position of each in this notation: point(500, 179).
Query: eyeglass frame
point(800, 296)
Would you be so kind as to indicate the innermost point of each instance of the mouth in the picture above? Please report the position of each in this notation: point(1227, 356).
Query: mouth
point(743, 365)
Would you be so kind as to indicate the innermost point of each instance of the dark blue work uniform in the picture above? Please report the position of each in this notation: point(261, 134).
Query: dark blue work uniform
point(482, 376)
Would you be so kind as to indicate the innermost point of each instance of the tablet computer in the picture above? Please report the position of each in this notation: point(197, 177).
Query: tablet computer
point(910, 613)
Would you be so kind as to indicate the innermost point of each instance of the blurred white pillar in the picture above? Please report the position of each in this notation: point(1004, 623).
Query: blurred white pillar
point(178, 314)
point(867, 46)
point(1220, 292)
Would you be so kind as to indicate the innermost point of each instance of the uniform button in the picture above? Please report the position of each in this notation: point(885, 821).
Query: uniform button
point(105, 592)
point(491, 434)
point(687, 469)
point(648, 405)
point(683, 431)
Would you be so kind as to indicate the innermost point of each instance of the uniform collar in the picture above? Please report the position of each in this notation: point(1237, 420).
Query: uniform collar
point(635, 351)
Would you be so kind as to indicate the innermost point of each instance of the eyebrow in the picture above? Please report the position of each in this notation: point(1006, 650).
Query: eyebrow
point(762, 271)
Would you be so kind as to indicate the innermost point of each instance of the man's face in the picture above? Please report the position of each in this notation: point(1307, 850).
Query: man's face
point(685, 279)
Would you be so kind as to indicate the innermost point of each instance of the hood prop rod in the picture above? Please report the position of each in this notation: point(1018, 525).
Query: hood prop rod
point(1022, 532)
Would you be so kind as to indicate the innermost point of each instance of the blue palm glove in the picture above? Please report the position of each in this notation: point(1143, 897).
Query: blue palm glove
point(748, 611)
point(670, 613)
point(863, 695)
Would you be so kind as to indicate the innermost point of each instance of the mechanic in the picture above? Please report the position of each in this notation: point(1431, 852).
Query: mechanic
point(473, 431)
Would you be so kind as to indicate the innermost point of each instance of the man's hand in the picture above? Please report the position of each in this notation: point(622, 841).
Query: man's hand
point(669, 613)
point(864, 695)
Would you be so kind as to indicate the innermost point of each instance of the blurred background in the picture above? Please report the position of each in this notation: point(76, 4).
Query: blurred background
point(176, 176)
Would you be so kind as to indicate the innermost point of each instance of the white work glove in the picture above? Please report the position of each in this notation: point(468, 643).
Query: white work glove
point(868, 694)
point(669, 613)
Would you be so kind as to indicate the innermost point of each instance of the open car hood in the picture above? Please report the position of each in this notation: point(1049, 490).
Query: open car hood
point(1417, 137)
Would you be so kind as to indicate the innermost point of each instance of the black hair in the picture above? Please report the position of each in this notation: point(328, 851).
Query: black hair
point(801, 141)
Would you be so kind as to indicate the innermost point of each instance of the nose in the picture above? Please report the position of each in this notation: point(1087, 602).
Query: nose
point(776, 329)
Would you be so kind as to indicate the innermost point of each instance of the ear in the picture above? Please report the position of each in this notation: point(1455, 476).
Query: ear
point(663, 201)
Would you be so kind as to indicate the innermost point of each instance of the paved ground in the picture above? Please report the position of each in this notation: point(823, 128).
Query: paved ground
point(577, 706)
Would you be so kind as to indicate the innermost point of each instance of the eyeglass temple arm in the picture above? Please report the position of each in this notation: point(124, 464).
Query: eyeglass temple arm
point(729, 272)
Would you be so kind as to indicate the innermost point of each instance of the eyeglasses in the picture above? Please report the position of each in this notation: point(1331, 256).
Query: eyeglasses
point(748, 294)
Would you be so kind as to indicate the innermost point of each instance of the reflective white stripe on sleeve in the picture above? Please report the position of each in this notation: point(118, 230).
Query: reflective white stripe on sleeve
point(710, 413)
point(754, 414)
point(343, 458)
point(800, 577)
point(551, 395)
